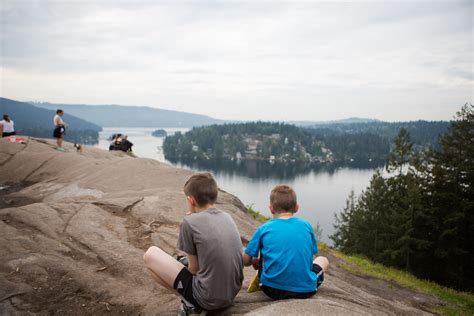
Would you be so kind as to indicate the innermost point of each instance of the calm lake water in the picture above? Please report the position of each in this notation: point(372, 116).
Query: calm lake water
point(321, 191)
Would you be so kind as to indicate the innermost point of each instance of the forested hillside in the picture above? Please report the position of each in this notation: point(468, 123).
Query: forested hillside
point(256, 140)
point(420, 217)
point(330, 143)
point(33, 121)
point(422, 133)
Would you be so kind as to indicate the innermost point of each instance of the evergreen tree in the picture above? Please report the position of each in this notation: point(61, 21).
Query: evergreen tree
point(402, 152)
point(452, 190)
point(421, 218)
point(372, 224)
point(342, 237)
point(407, 210)
point(383, 224)
point(361, 226)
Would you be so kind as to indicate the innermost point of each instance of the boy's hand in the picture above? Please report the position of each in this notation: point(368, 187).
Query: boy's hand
point(255, 263)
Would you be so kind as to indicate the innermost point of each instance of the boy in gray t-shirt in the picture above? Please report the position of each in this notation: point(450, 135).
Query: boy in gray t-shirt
point(212, 242)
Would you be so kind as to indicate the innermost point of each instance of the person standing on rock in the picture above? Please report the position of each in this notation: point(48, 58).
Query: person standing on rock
point(8, 126)
point(286, 245)
point(59, 129)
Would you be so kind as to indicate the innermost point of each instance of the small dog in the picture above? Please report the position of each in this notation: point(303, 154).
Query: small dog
point(78, 148)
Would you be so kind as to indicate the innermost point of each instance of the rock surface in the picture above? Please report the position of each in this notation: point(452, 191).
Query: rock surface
point(74, 227)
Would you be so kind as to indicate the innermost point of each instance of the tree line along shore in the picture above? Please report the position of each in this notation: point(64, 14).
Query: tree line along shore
point(280, 142)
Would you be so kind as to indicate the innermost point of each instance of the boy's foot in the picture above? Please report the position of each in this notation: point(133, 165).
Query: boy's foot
point(60, 149)
point(320, 279)
point(185, 310)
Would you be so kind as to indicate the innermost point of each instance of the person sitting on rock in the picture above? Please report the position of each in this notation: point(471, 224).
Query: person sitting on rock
point(126, 145)
point(116, 143)
point(286, 245)
point(8, 126)
point(211, 240)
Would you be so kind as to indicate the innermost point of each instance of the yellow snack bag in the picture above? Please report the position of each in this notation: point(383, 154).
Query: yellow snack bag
point(254, 284)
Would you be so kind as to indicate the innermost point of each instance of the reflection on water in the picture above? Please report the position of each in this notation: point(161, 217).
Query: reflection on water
point(258, 169)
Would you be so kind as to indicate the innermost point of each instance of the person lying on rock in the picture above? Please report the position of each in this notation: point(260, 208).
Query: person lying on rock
point(286, 245)
point(211, 240)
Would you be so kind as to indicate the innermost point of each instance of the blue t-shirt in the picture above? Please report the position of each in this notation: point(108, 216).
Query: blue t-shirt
point(287, 247)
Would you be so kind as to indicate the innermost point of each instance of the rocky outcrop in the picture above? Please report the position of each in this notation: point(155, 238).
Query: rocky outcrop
point(74, 227)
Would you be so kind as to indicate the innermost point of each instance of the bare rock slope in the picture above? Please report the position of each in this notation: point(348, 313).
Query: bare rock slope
point(74, 227)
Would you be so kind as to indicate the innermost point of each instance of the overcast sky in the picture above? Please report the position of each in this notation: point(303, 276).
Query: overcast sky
point(248, 60)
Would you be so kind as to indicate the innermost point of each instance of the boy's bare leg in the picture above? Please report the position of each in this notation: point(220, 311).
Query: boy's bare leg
point(162, 267)
point(322, 262)
point(158, 280)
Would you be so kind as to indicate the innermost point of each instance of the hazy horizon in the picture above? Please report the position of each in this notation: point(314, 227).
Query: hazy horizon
point(244, 60)
point(159, 108)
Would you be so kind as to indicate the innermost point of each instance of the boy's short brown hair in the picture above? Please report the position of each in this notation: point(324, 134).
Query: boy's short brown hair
point(283, 199)
point(202, 187)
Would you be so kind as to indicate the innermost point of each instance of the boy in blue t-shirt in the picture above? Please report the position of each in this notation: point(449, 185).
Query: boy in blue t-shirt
point(286, 245)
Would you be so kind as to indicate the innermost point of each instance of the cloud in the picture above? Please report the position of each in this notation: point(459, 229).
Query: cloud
point(252, 56)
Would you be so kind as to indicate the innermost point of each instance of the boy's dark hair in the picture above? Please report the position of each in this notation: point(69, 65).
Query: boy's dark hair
point(283, 199)
point(6, 117)
point(202, 187)
point(59, 111)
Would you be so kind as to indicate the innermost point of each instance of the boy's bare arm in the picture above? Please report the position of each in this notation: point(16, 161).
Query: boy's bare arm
point(247, 259)
point(193, 266)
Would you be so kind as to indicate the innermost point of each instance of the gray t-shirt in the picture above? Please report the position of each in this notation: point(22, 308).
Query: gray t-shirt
point(213, 237)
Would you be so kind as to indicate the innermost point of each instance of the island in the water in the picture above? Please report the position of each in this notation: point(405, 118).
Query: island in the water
point(253, 141)
point(280, 142)
point(159, 133)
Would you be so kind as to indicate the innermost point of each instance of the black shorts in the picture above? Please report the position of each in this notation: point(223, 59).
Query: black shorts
point(278, 294)
point(6, 134)
point(59, 132)
point(184, 286)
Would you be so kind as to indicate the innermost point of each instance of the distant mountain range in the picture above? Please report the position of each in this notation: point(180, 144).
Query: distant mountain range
point(131, 116)
point(144, 116)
